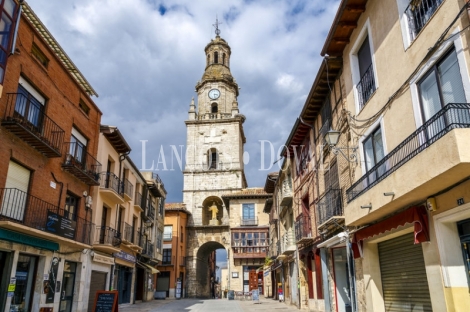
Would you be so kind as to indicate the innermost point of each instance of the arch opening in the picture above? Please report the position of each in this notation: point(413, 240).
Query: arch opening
point(216, 57)
point(206, 269)
point(212, 159)
point(214, 108)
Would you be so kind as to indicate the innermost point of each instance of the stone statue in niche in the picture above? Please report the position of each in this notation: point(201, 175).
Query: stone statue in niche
point(214, 211)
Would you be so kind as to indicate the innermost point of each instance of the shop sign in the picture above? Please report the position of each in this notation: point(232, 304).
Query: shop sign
point(103, 259)
point(28, 240)
point(125, 256)
point(60, 225)
point(266, 273)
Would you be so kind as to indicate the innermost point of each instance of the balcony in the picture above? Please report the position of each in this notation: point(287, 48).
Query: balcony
point(212, 116)
point(25, 118)
point(111, 188)
point(419, 13)
point(182, 261)
point(155, 186)
point(149, 213)
point(107, 239)
point(128, 237)
point(432, 158)
point(303, 230)
point(128, 189)
point(28, 214)
point(366, 86)
point(247, 252)
point(138, 201)
point(250, 243)
point(286, 194)
point(273, 249)
point(147, 248)
point(330, 208)
point(249, 221)
point(81, 164)
point(287, 243)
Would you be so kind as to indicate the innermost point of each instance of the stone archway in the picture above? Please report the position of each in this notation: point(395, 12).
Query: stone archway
point(201, 244)
point(207, 213)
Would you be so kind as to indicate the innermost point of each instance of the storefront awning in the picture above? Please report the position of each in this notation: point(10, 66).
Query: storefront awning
point(148, 267)
point(333, 241)
point(416, 215)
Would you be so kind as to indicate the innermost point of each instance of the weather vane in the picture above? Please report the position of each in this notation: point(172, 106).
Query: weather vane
point(216, 25)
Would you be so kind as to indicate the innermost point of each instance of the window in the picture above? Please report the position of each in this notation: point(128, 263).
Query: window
point(366, 85)
point(29, 104)
point(303, 152)
point(77, 147)
point(39, 55)
point(216, 57)
point(373, 153)
point(181, 234)
point(71, 206)
point(325, 113)
point(248, 211)
point(166, 256)
point(419, 13)
point(214, 108)
point(442, 85)
point(168, 232)
point(161, 205)
point(223, 59)
point(15, 194)
point(208, 59)
point(8, 11)
point(84, 107)
point(212, 158)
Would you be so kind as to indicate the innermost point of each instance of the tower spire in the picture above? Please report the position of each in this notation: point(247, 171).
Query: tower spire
point(216, 25)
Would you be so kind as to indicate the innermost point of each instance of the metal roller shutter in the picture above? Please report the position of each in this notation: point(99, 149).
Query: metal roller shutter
point(404, 281)
point(97, 282)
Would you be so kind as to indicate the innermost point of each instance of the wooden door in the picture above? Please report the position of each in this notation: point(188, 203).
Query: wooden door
point(253, 281)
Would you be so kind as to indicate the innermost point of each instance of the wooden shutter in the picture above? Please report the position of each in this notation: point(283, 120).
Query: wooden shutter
point(404, 281)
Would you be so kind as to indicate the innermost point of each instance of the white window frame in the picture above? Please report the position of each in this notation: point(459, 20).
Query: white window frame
point(25, 84)
point(459, 49)
point(354, 60)
point(379, 123)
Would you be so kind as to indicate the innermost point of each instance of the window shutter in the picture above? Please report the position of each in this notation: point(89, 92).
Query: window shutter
point(15, 193)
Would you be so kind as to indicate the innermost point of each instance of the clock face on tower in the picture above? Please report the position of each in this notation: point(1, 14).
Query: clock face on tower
point(214, 94)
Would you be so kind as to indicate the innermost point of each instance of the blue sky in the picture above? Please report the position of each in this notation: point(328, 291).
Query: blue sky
point(145, 57)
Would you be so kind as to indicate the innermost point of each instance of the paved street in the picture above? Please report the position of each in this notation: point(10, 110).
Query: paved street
point(200, 305)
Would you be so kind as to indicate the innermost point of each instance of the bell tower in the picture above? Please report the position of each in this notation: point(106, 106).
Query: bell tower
point(214, 161)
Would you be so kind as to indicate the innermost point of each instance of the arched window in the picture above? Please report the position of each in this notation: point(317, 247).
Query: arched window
point(212, 158)
point(208, 59)
point(223, 58)
point(214, 108)
point(216, 57)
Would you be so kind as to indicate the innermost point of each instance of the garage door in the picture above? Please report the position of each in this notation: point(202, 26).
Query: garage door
point(404, 282)
point(97, 282)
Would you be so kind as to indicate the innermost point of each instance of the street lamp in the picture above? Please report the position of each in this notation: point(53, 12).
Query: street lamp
point(332, 138)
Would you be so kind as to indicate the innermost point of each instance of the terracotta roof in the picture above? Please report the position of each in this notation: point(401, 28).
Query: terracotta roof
point(176, 207)
point(248, 192)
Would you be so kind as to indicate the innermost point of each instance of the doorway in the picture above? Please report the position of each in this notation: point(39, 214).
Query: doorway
point(68, 285)
point(343, 301)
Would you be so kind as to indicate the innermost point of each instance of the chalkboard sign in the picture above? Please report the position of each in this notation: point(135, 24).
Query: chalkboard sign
point(231, 295)
point(106, 301)
point(255, 295)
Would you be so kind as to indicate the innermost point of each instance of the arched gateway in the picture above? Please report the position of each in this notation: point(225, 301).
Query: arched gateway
point(214, 167)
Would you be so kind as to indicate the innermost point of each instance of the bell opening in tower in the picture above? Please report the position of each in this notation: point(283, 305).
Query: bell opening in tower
point(216, 57)
point(214, 108)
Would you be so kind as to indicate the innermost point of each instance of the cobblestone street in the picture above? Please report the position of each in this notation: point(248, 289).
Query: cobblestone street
point(207, 305)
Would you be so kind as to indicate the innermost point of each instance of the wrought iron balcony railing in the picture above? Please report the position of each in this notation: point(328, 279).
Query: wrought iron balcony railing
point(128, 188)
point(452, 116)
point(81, 164)
point(419, 13)
point(248, 221)
point(20, 207)
point(138, 199)
point(148, 249)
point(111, 181)
point(128, 232)
point(366, 86)
point(150, 212)
point(330, 205)
point(303, 229)
point(106, 235)
point(24, 116)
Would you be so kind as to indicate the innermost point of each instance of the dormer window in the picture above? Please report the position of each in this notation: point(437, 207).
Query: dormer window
point(216, 57)
point(214, 108)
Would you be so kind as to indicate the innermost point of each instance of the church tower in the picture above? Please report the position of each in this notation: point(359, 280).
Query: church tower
point(214, 165)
